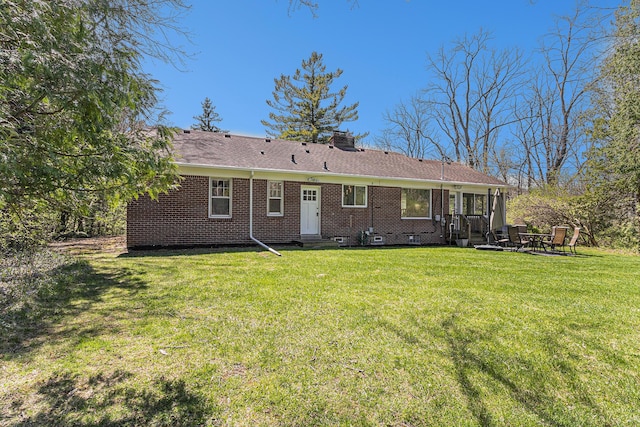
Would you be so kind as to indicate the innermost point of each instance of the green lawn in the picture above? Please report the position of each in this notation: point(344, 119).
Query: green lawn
point(390, 337)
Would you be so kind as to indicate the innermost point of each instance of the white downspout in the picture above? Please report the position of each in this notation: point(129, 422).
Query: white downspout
point(251, 219)
point(442, 222)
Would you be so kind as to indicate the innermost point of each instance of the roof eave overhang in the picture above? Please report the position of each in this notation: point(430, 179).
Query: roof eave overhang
point(324, 176)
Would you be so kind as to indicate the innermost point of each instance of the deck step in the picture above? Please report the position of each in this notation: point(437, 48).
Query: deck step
point(316, 242)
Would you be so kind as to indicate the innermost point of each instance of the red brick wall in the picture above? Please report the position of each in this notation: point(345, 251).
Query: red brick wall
point(180, 218)
point(274, 229)
point(382, 214)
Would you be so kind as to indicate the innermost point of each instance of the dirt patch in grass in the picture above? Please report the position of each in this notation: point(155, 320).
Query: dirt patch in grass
point(90, 245)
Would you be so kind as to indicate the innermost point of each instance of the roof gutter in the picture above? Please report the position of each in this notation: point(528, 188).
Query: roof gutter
point(340, 175)
point(273, 251)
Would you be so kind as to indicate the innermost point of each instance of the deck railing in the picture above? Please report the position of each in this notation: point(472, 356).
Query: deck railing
point(467, 226)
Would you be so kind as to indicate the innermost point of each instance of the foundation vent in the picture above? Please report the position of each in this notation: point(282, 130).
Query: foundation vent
point(377, 240)
point(413, 239)
point(341, 240)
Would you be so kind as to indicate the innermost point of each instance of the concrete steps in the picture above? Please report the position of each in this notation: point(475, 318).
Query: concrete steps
point(316, 242)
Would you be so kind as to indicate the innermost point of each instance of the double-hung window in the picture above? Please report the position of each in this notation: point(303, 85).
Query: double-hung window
point(416, 203)
point(354, 196)
point(275, 198)
point(220, 198)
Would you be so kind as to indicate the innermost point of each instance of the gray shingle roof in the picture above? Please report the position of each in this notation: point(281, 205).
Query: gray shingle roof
point(251, 153)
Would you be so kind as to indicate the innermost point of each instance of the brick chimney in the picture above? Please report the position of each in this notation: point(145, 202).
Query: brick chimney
point(343, 140)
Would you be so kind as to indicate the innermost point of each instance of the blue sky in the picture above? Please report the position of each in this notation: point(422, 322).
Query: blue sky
point(240, 46)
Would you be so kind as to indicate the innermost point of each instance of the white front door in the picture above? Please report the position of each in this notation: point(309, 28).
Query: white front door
point(310, 210)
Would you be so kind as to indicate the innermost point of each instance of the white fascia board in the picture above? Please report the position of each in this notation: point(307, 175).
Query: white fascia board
point(207, 170)
point(325, 177)
point(470, 187)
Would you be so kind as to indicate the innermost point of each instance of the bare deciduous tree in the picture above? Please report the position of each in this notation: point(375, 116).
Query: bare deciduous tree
point(312, 5)
point(552, 136)
point(408, 130)
point(470, 96)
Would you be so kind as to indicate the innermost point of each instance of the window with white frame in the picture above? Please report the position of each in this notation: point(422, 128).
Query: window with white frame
point(219, 198)
point(416, 203)
point(275, 198)
point(354, 196)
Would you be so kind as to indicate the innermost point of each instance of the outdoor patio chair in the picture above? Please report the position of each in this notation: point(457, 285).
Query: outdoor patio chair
point(501, 241)
point(557, 241)
point(549, 239)
point(493, 238)
point(515, 239)
point(574, 240)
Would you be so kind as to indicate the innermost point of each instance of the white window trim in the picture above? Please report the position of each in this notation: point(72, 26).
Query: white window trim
point(211, 179)
point(281, 213)
point(430, 204)
point(366, 196)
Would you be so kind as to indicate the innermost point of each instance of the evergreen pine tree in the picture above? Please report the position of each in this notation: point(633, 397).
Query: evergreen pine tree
point(76, 104)
point(304, 107)
point(208, 119)
point(615, 160)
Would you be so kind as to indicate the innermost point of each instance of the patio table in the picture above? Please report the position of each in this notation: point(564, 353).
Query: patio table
point(535, 239)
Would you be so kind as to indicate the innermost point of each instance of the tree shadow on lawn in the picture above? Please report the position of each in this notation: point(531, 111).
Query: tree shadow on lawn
point(32, 313)
point(478, 371)
point(470, 366)
point(106, 400)
point(32, 307)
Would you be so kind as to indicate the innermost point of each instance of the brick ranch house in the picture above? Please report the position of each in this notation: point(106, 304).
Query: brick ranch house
point(240, 190)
